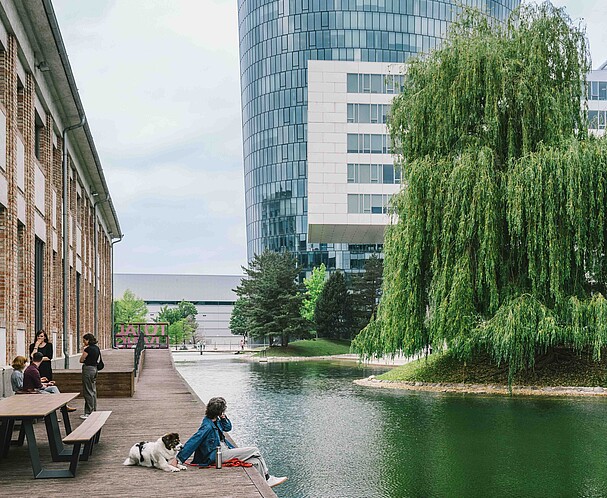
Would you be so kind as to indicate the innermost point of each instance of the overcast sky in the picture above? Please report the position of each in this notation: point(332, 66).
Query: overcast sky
point(160, 83)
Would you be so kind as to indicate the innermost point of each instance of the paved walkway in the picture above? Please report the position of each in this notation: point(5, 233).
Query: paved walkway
point(162, 403)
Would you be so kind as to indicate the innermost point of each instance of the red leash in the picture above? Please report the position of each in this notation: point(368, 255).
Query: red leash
point(232, 462)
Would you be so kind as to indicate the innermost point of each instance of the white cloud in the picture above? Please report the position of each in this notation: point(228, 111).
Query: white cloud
point(160, 83)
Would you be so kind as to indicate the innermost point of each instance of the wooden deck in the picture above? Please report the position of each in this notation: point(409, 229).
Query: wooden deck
point(162, 403)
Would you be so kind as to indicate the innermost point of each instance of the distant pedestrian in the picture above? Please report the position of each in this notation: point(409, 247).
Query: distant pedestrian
point(89, 359)
point(242, 344)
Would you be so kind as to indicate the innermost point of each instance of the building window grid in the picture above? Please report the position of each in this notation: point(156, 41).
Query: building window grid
point(368, 113)
point(373, 173)
point(596, 90)
point(597, 120)
point(368, 203)
point(368, 143)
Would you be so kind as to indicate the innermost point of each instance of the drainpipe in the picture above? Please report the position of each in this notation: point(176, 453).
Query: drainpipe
point(95, 252)
point(112, 274)
point(66, 233)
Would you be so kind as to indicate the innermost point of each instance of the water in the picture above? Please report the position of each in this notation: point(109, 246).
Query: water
point(338, 440)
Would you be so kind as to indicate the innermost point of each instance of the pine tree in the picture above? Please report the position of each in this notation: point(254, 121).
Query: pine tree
point(334, 315)
point(367, 291)
point(271, 299)
point(501, 235)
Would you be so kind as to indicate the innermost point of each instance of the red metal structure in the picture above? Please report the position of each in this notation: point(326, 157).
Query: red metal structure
point(156, 335)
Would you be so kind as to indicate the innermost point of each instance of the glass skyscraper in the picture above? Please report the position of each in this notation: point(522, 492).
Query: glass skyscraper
point(277, 39)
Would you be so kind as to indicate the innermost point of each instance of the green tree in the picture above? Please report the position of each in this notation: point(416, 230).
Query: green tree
point(190, 325)
point(129, 309)
point(500, 242)
point(313, 284)
point(238, 319)
point(367, 291)
point(334, 315)
point(271, 300)
point(183, 310)
point(168, 315)
point(176, 332)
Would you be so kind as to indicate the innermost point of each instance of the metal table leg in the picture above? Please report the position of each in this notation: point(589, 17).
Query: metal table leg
point(32, 446)
point(6, 433)
point(58, 452)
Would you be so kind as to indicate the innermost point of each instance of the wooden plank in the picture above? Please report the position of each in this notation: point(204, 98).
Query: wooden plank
point(33, 405)
point(162, 403)
point(87, 429)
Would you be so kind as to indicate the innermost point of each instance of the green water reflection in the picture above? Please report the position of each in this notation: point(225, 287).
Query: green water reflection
point(335, 439)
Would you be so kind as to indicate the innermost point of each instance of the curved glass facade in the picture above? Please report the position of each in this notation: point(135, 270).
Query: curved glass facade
point(277, 39)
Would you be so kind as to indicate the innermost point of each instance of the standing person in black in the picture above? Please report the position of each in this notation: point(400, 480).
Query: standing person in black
point(89, 359)
point(41, 345)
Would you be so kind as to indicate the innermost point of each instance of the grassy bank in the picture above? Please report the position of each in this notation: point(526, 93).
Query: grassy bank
point(318, 347)
point(555, 370)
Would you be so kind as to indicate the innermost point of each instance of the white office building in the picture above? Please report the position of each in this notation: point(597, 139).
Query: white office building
point(351, 173)
point(597, 100)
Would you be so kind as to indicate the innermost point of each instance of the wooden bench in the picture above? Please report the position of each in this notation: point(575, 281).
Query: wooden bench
point(87, 433)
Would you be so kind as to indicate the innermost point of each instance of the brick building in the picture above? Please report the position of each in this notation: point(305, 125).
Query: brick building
point(46, 149)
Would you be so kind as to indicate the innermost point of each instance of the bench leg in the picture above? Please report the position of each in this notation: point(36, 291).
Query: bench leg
point(21, 437)
point(74, 459)
point(88, 450)
point(97, 436)
point(66, 420)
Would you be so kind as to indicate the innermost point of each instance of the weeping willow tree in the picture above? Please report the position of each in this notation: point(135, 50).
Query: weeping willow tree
point(500, 240)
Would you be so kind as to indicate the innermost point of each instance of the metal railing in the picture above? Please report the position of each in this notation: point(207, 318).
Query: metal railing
point(139, 350)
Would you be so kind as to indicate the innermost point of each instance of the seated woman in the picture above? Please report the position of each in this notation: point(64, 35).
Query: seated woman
point(210, 435)
point(17, 375)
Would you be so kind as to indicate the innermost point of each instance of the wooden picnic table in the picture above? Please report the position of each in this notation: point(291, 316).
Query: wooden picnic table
point(26, 408)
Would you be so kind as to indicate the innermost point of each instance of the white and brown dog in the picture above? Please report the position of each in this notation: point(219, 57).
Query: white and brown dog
point(156, 454)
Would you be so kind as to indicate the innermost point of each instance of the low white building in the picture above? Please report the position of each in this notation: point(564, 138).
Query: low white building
point(213, 296)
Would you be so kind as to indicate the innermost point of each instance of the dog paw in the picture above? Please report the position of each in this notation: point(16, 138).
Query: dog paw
point(175, 469)
point(182, 467)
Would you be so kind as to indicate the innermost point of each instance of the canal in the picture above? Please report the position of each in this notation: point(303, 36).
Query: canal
point(334, 439)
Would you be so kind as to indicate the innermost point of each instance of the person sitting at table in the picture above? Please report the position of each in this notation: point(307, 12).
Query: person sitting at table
point(17, 375)
point(33, 383)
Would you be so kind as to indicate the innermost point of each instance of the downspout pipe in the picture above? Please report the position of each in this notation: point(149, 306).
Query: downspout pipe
point(115, 241)
point(95, 268)
point(66, 242)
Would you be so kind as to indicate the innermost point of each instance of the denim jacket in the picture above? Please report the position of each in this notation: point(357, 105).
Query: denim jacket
point(205, 441)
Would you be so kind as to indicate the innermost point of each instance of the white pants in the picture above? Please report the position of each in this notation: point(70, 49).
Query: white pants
point(249, 454)
point(50, 390)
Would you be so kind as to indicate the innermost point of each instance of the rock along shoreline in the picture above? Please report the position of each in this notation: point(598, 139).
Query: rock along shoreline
point(462, 388)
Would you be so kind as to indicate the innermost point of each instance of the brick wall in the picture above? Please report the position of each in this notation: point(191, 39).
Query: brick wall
point(18, 236)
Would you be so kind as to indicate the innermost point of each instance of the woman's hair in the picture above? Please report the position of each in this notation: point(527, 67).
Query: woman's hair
point(90, 338)
point(215, 407)
point(19, 362)
point(41, 331)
